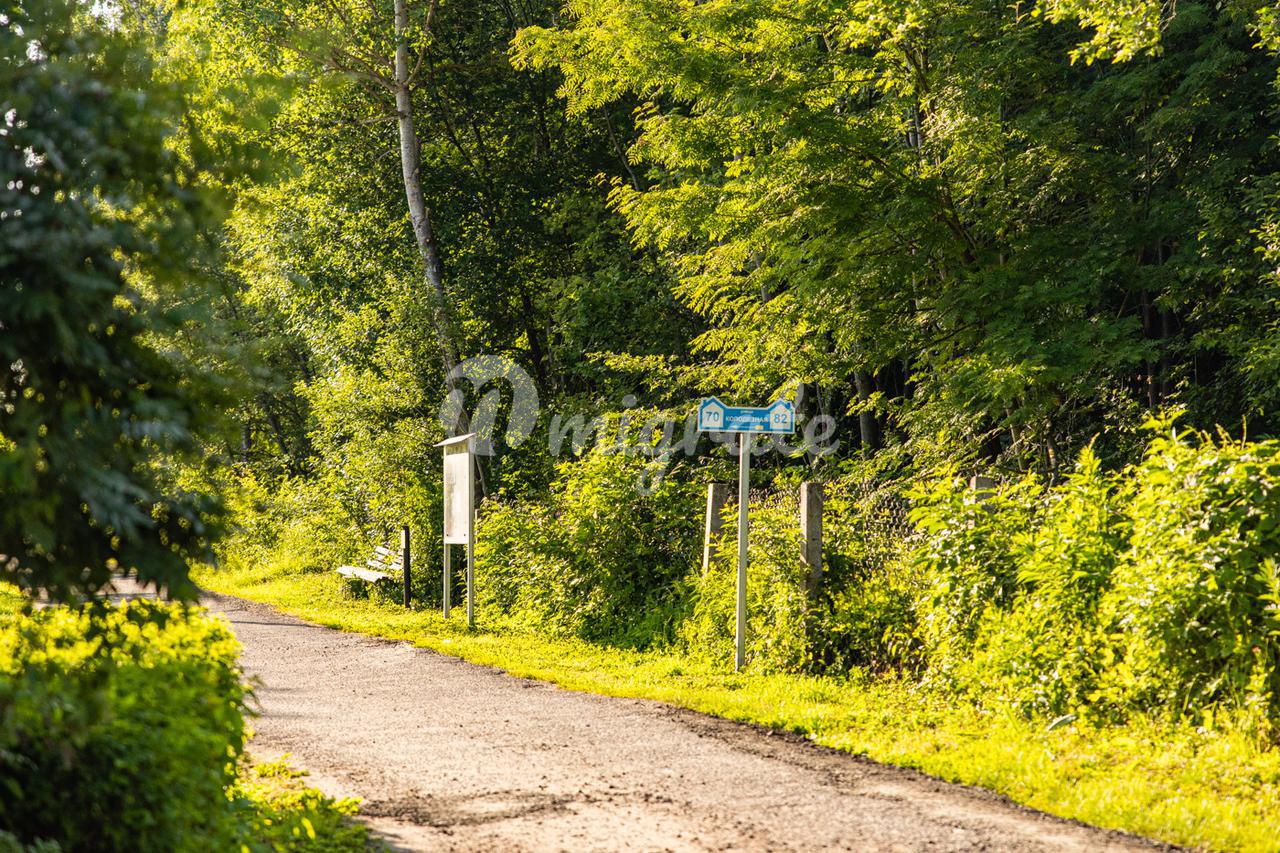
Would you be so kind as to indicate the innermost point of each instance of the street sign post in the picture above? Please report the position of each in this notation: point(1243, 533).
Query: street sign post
point(778, 418)
point(459, 514)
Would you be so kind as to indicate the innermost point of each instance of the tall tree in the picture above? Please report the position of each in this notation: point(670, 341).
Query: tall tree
point(411, 167)
point(1018, 250)
point(100, 224)
point(385, 50)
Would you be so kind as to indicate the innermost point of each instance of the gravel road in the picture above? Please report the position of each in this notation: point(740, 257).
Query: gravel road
point(452, 756)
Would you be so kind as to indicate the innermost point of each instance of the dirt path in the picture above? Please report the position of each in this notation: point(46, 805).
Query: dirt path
point(452, 756)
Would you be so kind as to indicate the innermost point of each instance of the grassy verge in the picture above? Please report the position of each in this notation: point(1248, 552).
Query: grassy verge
point(283, 813)
point(1215, 789)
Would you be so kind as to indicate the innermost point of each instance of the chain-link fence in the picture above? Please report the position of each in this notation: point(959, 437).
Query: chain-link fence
point(874, 514)
point(865, 524)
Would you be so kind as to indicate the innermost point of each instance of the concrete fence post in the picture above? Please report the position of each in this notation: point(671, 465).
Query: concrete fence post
point(717, 495)
point(811, 498)
point(983, 487)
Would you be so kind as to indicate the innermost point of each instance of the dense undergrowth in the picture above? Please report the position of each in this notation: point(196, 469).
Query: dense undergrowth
point(1119, 628)
point(123, 728)
point(1153, 589)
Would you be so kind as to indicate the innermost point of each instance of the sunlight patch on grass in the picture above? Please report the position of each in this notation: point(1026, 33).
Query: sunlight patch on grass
point(282, 812)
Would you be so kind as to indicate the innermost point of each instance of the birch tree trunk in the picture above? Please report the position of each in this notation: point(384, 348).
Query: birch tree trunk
point(419, 215)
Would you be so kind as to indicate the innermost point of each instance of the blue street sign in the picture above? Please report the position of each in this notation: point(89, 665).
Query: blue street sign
point(777, 417)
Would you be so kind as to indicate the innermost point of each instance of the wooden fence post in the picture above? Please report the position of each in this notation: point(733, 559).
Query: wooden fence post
point(404, 557)
point(811, 531)
point(717, 494)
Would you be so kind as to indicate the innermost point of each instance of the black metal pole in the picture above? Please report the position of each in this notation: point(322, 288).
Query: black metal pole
point(404, 554)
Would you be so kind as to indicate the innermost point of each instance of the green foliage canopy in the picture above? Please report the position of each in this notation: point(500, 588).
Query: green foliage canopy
point(99, 235)
point(1016, 249)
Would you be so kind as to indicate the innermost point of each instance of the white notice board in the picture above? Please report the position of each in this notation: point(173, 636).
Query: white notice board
point(459, 492)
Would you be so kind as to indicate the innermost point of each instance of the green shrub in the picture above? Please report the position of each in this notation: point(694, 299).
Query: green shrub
point(968, 558)
point(120, 729)
point(1156, 589)
point(601, 556)
point(777, 598)
point(1193, 609)
point(290, 520)
point(859, 615)
point(864, 615)
point(865, 624)
point(1044, 654)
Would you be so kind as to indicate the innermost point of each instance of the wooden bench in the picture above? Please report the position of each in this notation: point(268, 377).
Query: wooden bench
point(385, 564)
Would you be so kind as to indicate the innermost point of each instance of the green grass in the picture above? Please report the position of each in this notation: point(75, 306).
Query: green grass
point(1216, 789)
point(282, 812)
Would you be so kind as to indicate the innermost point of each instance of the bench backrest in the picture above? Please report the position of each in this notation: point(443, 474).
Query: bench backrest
point(386, 559)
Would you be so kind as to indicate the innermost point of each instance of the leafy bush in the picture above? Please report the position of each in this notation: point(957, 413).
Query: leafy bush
point(777, 597)
point(858, 616)
point(1155, 589)
point(120, 728)
point(864, 615)
point(297, 526)
point(1044, 654)
point(1194, 606)
point(968, 559)
point(288, 517)
point(602, 556)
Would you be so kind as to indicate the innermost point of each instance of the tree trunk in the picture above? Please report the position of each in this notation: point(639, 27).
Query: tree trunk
point(868, 429)
point(537, 352)
point(419, 215)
